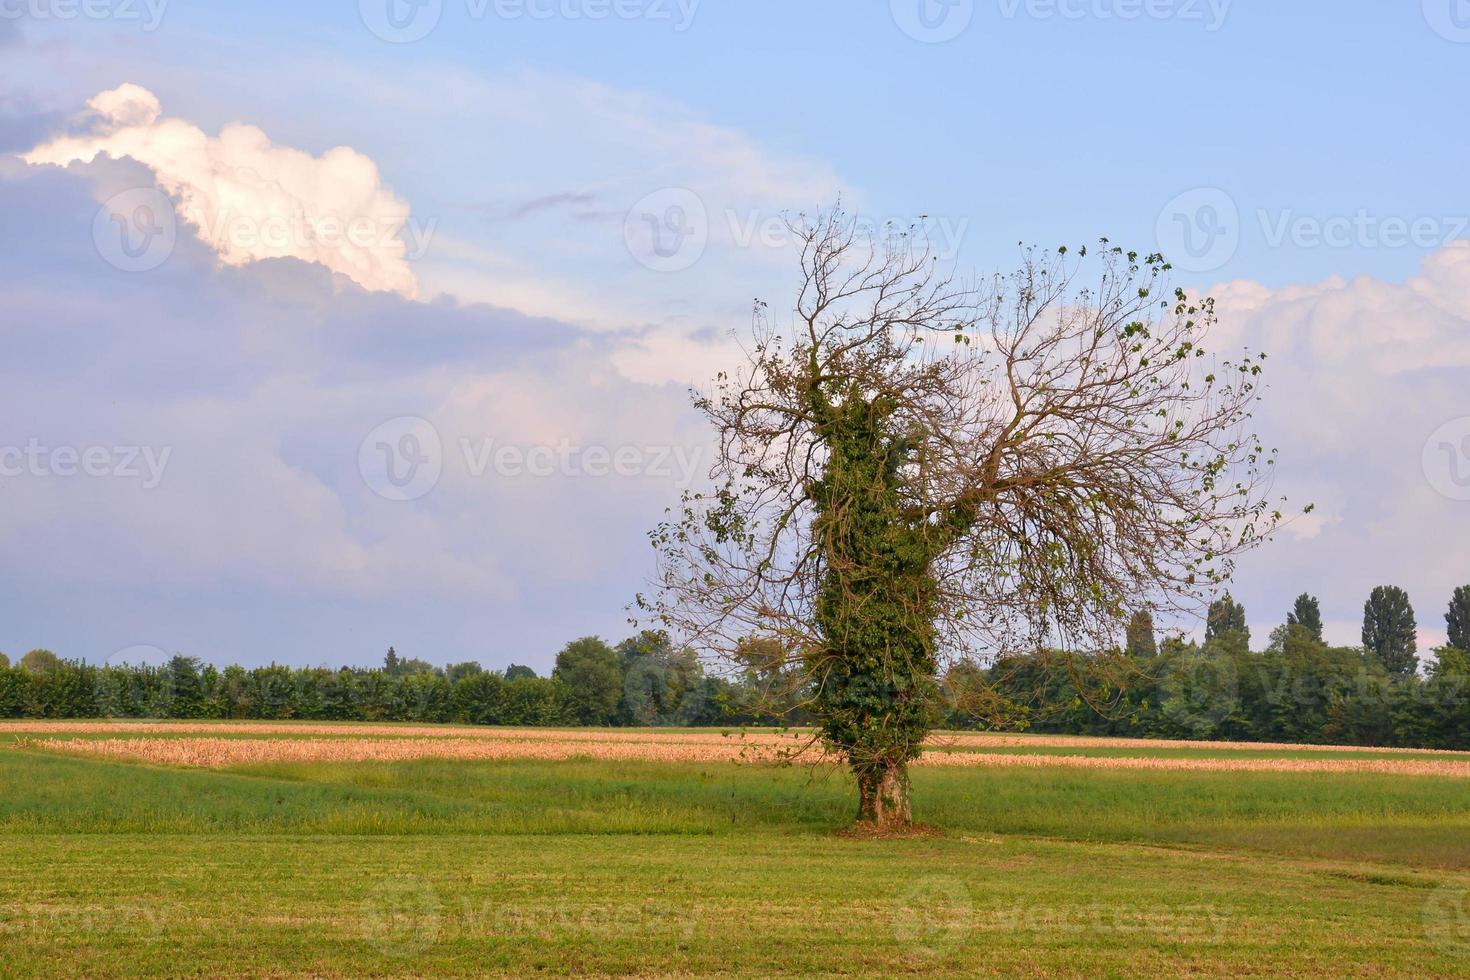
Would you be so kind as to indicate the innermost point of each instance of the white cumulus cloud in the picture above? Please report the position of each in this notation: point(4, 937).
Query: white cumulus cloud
point(251, 199)
point(1362, 373)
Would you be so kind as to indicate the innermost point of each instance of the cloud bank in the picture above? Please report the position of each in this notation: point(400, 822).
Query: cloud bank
point(1362, 374)
point(266, 538)
point(248, 198)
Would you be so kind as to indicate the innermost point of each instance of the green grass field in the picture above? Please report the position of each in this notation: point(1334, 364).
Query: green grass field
point(438, 867)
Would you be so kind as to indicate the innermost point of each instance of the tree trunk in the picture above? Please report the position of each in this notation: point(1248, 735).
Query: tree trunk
point(883, 797)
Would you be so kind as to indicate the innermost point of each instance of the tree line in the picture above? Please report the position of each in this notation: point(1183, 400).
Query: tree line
point(643, 681)
point(1298, 688)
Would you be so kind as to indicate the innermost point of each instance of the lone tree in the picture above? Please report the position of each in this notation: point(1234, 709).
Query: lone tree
point(1226, 616)
point(1389, 630)
point(919, 470)
point(1458, 619)
point(1305, 612)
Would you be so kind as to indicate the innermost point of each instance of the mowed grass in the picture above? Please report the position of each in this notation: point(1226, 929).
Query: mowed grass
point(454, 867)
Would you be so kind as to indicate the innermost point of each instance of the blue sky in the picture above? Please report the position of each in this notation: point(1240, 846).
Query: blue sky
point(1308, 151)
point(1037, 127)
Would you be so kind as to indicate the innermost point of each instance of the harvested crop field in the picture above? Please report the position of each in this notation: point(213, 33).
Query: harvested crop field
point(762, 737)
point(134, 847)
point(351, 745)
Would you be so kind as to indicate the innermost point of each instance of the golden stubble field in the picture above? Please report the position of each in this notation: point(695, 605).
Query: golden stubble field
point(215, 745)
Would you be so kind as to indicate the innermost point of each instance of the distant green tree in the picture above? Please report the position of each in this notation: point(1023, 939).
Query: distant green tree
point(1303, 684)
point(1444, 710)
point(772, 685)
point(1308, 614)
point(376, 695)
point(390, 663)
point(1389, 630)
point(1226, 616)
point(968, 696)
point(15, 691)
point(1458, 619)
point(274, 692)
point(1198, 688)
point(337, 702)
point(186, 689)
point(40, 661)
point(65, 690)
point(517, 671)
point(535, 701)
point(4, 661)
point(658, 680)
point(236, 694)
point(480, 698)
point(454, 673)
point(589, 671)
point(1142, 644)
point(426, 697)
